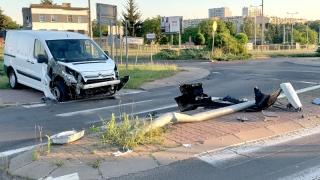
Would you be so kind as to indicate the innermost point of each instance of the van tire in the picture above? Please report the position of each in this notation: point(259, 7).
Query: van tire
point(60, 91)
point(13, 81)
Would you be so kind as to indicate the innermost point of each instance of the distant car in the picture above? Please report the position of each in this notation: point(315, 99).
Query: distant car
point(63, 65)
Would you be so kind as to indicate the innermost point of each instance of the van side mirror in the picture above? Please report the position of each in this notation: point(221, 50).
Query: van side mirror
point(42, 58)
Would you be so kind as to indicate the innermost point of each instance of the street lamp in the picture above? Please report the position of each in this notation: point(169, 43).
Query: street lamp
point(255, 24)
point(292, 27)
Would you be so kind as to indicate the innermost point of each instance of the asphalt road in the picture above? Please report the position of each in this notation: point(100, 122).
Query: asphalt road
point(296, 159)
point(19, 124)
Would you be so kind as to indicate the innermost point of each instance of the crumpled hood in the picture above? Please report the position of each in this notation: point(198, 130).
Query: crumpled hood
point(92, 69)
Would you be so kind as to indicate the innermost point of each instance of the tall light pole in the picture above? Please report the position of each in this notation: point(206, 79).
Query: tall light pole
point(262, 37)
point(255, 24)
point(292, 28)
point(89, 19)
point(127, 44)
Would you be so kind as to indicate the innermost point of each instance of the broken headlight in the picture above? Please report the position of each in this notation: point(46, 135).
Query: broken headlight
point(69, 77)
point(116, 71)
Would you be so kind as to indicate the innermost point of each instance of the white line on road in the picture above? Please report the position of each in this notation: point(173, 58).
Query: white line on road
point(11, 152)
point(219, 158)
point(306, 82)
point(34, 105)
point(98, 109)
point(309, 174)
point(140, 112)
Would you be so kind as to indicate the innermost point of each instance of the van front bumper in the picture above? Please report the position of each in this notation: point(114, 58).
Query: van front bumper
point(101, 84)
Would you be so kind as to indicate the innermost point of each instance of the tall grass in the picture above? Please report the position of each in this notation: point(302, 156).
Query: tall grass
point(142, 73)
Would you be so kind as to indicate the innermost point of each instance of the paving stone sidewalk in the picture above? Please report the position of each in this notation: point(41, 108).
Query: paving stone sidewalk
point(81, 156)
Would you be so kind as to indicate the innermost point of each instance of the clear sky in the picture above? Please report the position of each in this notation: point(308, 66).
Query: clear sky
point(189, 9)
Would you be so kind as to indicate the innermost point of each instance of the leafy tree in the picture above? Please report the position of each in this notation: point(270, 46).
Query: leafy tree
point(199, 39)
point(152, 26)
point(232, 28)
point(274, 34)
point(47, 2)
point(206, 28)
point(132, 16)
point(315, 25)
point(242, 38)
point(96, 29)
point(6, 22)
point(189, 32)
point(248, 27)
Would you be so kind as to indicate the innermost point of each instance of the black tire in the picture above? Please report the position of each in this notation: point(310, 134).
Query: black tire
point(13, 81)
point(60, 91)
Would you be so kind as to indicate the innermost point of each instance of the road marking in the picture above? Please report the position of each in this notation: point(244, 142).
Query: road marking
point(11, 152)
point(34, 105)
point(98, 109)
point(306, 82)
point(225, 158)
point(311, 173)
point(140, 112)
point(73, 176)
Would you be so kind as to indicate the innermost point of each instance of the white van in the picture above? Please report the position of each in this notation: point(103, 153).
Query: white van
point(64, 65)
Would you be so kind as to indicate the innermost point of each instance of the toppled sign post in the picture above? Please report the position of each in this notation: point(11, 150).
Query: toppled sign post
point(194, 93)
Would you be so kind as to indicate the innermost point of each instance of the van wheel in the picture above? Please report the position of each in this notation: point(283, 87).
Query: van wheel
point(13, 81)
point(60, 91)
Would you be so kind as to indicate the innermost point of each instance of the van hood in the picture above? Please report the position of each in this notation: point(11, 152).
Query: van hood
point(93, 69)
point(90, 66)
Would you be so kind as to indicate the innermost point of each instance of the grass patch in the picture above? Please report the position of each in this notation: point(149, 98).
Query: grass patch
point(142, 73)
point(129, 134)
point(4, 82)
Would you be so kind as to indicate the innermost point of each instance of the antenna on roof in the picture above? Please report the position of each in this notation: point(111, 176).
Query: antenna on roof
point(64, 30)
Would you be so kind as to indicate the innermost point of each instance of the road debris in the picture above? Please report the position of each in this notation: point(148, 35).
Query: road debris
point(242, 118)
point(316, 101)
point(187, 145)
point(119, 153)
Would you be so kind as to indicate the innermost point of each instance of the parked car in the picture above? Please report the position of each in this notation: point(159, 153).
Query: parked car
point(63, 65)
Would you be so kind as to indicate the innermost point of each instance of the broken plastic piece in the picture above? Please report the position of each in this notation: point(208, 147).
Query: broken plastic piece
point(242, 118)
point(119, 153)
point(291, 96)
point(316, 101)
point(187, 145)
point(233, 100)
point(263, 101)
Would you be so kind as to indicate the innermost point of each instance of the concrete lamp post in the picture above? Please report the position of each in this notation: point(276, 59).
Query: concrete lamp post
point(255, 25)
point(292, 28)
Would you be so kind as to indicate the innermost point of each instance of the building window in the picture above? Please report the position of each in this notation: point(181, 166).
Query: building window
point(80, 19)
point(28, 19)
point(69, 18)
point(42, 17)
point(53, 18)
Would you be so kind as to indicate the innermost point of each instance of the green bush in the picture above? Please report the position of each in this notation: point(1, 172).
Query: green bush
point(318, 50)
point(200, 54)
point(305, 55)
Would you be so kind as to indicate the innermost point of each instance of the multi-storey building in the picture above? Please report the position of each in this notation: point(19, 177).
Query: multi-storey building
point(237, 20)
point(220, 12)
point(192, 22)
point(56, 17)
point(251, 11)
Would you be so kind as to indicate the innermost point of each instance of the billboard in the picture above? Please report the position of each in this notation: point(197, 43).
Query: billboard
point(106, 13)
point(171, 25)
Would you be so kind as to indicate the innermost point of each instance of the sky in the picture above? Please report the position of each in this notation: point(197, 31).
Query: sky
point(189, 9)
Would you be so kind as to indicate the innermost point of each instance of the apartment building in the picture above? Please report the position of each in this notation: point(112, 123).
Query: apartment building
point(237, 20)
point(220, 12)
point(192, 22)
point(251, 11)
point(56, 17)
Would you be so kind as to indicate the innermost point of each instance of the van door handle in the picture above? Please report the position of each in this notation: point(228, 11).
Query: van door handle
point(31, 62)
point(28, 61)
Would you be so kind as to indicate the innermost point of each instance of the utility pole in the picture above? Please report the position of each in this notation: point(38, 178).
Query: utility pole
point(90, 23)
point(307, 35)
point(292, 28)
point(284, 34)
point(262, 32)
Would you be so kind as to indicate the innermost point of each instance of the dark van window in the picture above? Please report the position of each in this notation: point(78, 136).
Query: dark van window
point(38, 49)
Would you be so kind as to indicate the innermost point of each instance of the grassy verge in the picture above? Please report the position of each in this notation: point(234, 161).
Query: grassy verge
point(143, 73)
point(4, 83)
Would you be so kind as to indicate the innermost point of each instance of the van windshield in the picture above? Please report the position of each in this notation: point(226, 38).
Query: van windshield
point(75, 50)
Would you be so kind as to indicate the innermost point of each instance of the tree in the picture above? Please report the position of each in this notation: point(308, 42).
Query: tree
point(248, 27)
point(199, 39)
point(6, 22)
point(242, 38)
point(189, 32)
point(96, 29)
point(232, 28)
point(47, 2)
point(132, 17)
point(152, 26)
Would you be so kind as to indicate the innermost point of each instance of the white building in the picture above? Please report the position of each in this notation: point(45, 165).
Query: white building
point(237, 20)
point(56, 17)
point(220, 12)
point(192, 22)
point(251, 11)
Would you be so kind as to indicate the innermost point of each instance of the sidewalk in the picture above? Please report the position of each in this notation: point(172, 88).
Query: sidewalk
point(78, 158)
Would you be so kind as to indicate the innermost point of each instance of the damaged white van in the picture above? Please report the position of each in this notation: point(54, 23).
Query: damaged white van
point(64, 65)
